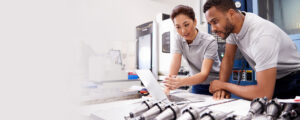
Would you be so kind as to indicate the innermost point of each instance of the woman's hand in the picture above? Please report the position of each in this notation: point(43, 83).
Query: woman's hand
point(167, 91)
point(173, 82)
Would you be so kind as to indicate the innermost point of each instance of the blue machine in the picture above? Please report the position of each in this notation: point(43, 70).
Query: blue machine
point(281, 12)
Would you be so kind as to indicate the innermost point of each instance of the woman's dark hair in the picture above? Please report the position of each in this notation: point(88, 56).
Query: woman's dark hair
point(223, 5)
point(183, 9)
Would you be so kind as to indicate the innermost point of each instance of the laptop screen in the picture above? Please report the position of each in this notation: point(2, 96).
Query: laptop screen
point(151, 84)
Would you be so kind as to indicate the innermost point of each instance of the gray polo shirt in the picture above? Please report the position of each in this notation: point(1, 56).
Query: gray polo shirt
point(204, 46)
point(264, 46)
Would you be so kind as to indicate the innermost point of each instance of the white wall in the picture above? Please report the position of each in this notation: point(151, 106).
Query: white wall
point(111, 25)
point(39, 48)
point(37, 53)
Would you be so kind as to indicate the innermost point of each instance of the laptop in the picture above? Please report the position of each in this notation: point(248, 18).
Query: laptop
point(154, 88)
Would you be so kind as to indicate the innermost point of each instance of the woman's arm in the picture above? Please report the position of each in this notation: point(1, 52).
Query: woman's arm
point(175, 64)
point(174, 83)
point(174, 68)
point(199, 77)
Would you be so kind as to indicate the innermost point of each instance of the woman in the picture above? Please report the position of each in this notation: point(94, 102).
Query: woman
point(198, 48)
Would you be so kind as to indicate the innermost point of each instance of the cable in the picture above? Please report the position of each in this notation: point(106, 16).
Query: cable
point(241, 71)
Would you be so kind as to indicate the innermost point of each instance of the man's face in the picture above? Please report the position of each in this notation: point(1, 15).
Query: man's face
point(219, 21)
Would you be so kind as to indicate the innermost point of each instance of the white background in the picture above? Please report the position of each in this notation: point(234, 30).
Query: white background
point(40, 49)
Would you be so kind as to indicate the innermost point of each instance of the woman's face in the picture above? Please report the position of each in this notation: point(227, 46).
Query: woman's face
point(185, 26)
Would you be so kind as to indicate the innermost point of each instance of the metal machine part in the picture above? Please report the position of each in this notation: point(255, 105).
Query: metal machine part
point(295, 114)
point(191, 113)
point(145, 105)
point(172, 111)
point(232, 117)
point(214, 115)
point(286, 108)
point(152, 112)
point(292, 114)
point(273, 109)
point(257, 107)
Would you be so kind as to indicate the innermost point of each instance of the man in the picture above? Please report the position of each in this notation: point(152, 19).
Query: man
point(268, 50)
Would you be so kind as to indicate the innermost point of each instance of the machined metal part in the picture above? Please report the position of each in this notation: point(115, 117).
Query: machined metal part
point(273, 109)
point(207, 116)
point(154, 111)
point(214, 115)
point(143, 107)
point(191, 113)
point(171, 112)
point(286, 108)
point(293, 114)
point(232, 117)
point(257, 106)
point(188, 102)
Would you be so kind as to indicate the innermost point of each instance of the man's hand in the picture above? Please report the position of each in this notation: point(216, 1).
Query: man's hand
point(216, 85)
point(172, 82)
point(220, 95)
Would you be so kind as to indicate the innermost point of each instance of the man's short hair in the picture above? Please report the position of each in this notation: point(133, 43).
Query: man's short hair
point(223, 5)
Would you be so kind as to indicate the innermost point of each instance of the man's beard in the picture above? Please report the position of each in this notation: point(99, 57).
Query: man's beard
point(228, 29)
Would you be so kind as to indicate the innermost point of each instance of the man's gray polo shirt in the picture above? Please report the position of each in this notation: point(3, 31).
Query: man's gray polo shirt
point(203, 47)
point(264, 46)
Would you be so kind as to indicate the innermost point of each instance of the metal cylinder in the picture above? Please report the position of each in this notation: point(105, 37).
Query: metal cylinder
point(273, 109)
point(154, 111)
point(214, 115)
point(285, 111)
point(256, 107)
point(191, 113)
point(171, 112)
point(143, 107)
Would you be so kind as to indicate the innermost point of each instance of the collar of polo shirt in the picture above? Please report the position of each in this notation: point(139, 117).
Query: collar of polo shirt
point(196, 41)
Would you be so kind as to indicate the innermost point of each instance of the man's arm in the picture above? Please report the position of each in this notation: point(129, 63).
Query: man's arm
point(265, 51)
point(225, 70)
point(227, 62)
point(266, 80)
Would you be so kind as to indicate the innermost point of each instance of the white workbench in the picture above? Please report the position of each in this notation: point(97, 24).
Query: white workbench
point(117, 110)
